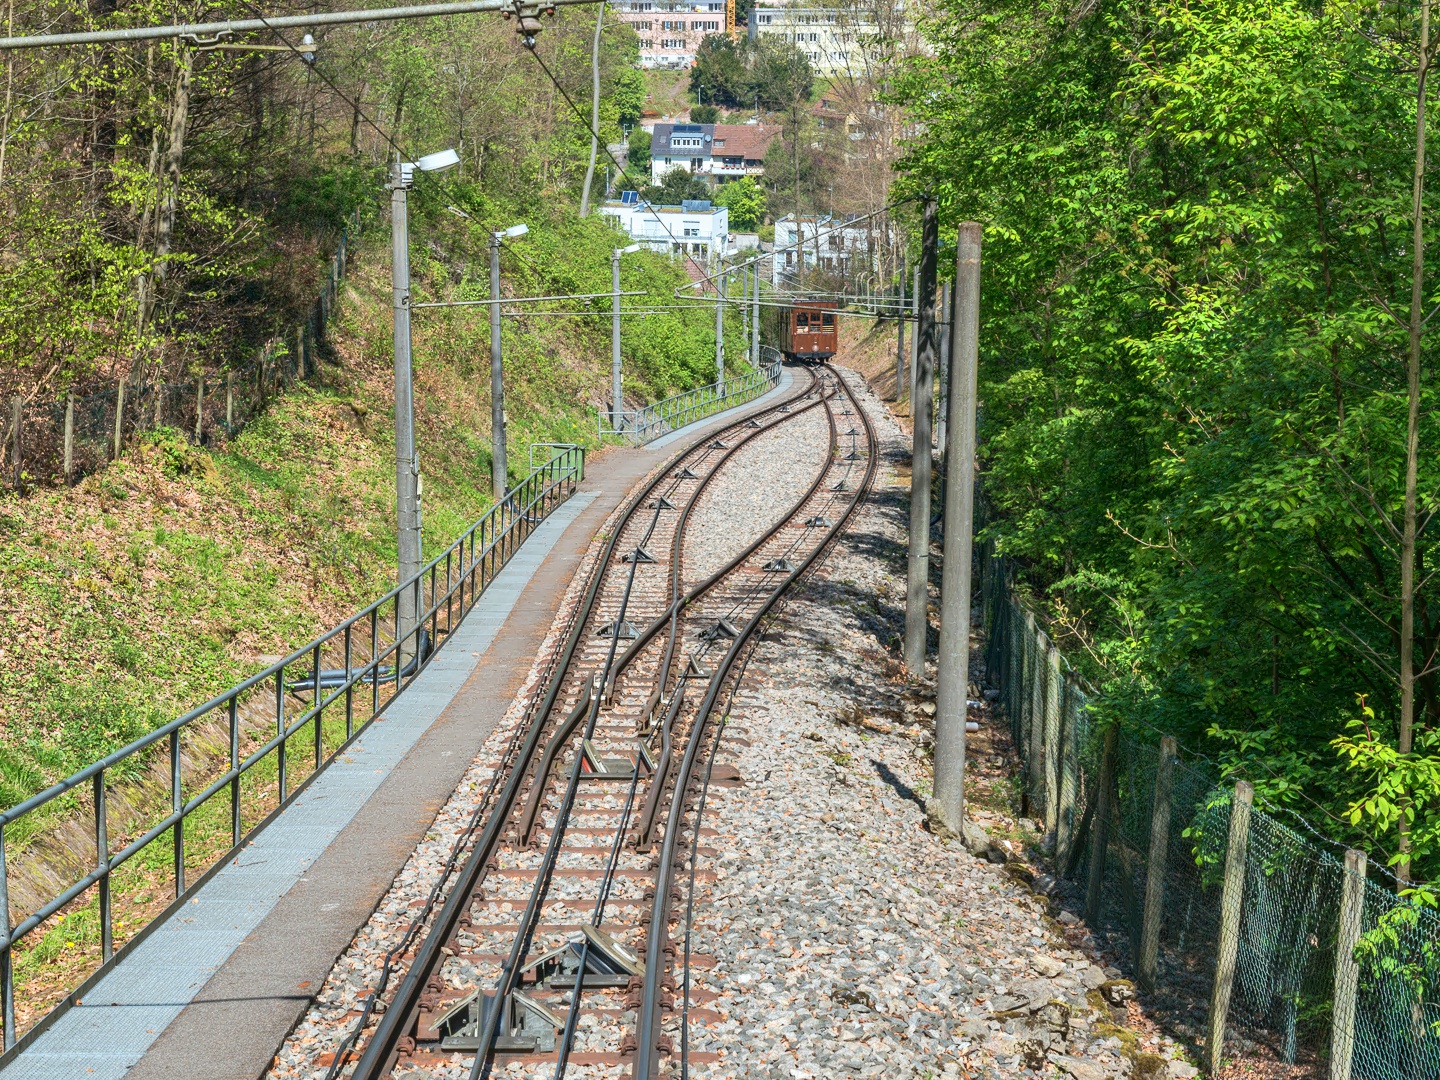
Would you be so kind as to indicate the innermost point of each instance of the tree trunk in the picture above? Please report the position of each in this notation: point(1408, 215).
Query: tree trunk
point(1412, 436)
point(594, 112)
point(175, 152)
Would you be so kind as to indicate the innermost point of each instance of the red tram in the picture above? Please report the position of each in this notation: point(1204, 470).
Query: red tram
point(806, 330)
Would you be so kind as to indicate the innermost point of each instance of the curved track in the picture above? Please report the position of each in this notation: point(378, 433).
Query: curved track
point(558, 899)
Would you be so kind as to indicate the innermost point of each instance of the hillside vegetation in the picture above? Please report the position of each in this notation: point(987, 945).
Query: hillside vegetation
point(1210, 422)
point(161, 580)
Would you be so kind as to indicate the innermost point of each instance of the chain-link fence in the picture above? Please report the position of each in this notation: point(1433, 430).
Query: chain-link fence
point(1248, 933)
point(53, 443)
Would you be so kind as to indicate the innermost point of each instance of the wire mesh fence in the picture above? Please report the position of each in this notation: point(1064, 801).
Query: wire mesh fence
point(59, 442)
point(1248, 933)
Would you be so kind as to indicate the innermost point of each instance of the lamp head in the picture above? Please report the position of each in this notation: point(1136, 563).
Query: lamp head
point(516, 230)
point(431, 163)
point(438, 162)
point(307, 49)
point(627, 250)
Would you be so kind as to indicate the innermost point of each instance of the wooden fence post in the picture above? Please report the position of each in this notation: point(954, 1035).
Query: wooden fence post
point(1155, 870)
point(17, 421)
point(1052, 739)
point(229, 403)
point(1231, 894)
point(199, 409)
point(299, 371)
point(119, 417)
point(1100, 828)
point(1347, 971)
point(70, 437)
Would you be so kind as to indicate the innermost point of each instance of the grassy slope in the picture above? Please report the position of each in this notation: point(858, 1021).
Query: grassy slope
point(155, 584)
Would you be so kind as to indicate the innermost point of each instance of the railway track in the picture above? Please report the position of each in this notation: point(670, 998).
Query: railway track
point(548, 946)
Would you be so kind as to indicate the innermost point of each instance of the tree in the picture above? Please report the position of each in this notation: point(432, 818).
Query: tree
point(737, 74)
point(637, 156)
point(1209, 433)
point(721, 70)
point(629, 95)
point(704, 114)
point(677, 186)
point(745, 199)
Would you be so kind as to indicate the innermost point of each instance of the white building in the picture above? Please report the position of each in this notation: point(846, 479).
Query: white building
point(837, 245)
point(722, 151)
point(843, 40)
point(695, 229)
point(670, 32)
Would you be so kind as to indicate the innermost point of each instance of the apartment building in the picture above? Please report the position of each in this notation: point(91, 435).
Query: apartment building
point(671, 32)
point(839, 245)
point(836, 40)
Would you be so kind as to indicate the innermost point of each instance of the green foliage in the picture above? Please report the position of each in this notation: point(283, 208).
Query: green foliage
point(637, 160)
point(1193, 365)
point(704, 114)
point(745, 199)
point(676, 186)
point(740, 73)
point(628, 93)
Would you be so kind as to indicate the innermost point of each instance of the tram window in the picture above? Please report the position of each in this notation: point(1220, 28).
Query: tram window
point(829, 320)
point(802, 318)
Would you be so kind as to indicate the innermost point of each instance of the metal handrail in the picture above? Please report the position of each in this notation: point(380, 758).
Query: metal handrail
point(651, 422)
point(469, 566)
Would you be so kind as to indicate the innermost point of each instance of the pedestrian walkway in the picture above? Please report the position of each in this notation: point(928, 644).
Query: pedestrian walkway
point(213, 991)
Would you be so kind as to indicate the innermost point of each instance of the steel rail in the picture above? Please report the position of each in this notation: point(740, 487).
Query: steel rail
point(529, 920)
point(647, 1054)
point(275, 22)
point(649, 814)
point(400, 1015)
point(616, 668)
point(659, 778)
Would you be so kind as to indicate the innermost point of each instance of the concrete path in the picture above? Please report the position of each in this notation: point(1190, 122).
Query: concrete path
point(212, 993)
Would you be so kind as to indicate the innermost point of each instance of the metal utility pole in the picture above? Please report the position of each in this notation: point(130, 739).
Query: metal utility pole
point(942, 333)
point(407, 465)
point(917, 588)
point(744, 307)
point(954, 656)
point(617, 379)
point(900, 331)
point(720, 331)
point(915, 331)
point(755, 320)
point(499, 482)
point(615, 387)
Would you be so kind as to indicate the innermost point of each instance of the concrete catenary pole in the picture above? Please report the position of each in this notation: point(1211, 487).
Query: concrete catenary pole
point(917, 591)
point(498, 473)
point(953, 660)
point(616, 389)
point(407, 466)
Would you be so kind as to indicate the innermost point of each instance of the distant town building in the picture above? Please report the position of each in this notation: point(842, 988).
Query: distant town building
point(839, 245)
point(842, 40)
point(720, 151)
point(670, 33)
point(694, 228)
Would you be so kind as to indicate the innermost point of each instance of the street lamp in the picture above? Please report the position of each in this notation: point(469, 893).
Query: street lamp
point(499, 478)
point(407, 465)
point(616, 388)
